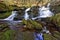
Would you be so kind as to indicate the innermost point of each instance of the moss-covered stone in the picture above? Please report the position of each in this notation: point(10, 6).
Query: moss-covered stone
point(32, 24)
point(56, 19)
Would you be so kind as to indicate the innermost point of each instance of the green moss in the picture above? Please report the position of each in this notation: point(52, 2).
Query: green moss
point(3, 7)
point(49, 37)
point(32, 24)
point(7, 35)
point(56, 19)
point(4, 15)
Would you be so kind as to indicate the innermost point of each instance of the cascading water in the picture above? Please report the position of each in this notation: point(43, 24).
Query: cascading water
point(44, 12)
point(11, 17)
point(11, 21)
point(38, 36)
point(26, 16)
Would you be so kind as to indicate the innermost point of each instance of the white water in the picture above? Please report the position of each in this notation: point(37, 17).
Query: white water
point(45, 30)
point(26, 16)
point(12, 16)
point(11, 21)
point(44, 12)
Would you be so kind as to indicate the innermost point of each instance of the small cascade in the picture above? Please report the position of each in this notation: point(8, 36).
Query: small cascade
point(45, 12)
point(45, 30)
point(26, 16)
point(11, 17)
point(11, 22)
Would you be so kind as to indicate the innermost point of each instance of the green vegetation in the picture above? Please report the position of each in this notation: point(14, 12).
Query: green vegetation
point(3, 7)
point(56, 19)
point(5, 10)
point(32, 24)
point(4, 15)
point(7, 34)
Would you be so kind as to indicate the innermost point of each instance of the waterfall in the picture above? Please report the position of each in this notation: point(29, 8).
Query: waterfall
point(26, 16)
point(11, 17)
point(11, 21)
point(45, 12)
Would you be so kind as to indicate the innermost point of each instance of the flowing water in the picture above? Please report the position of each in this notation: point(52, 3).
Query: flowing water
point(12, 16)
point(43, 13)
point(11, 22)
point(26, 16)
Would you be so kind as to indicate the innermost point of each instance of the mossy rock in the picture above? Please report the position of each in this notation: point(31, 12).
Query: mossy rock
point(56, 19)
point(33, 24)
